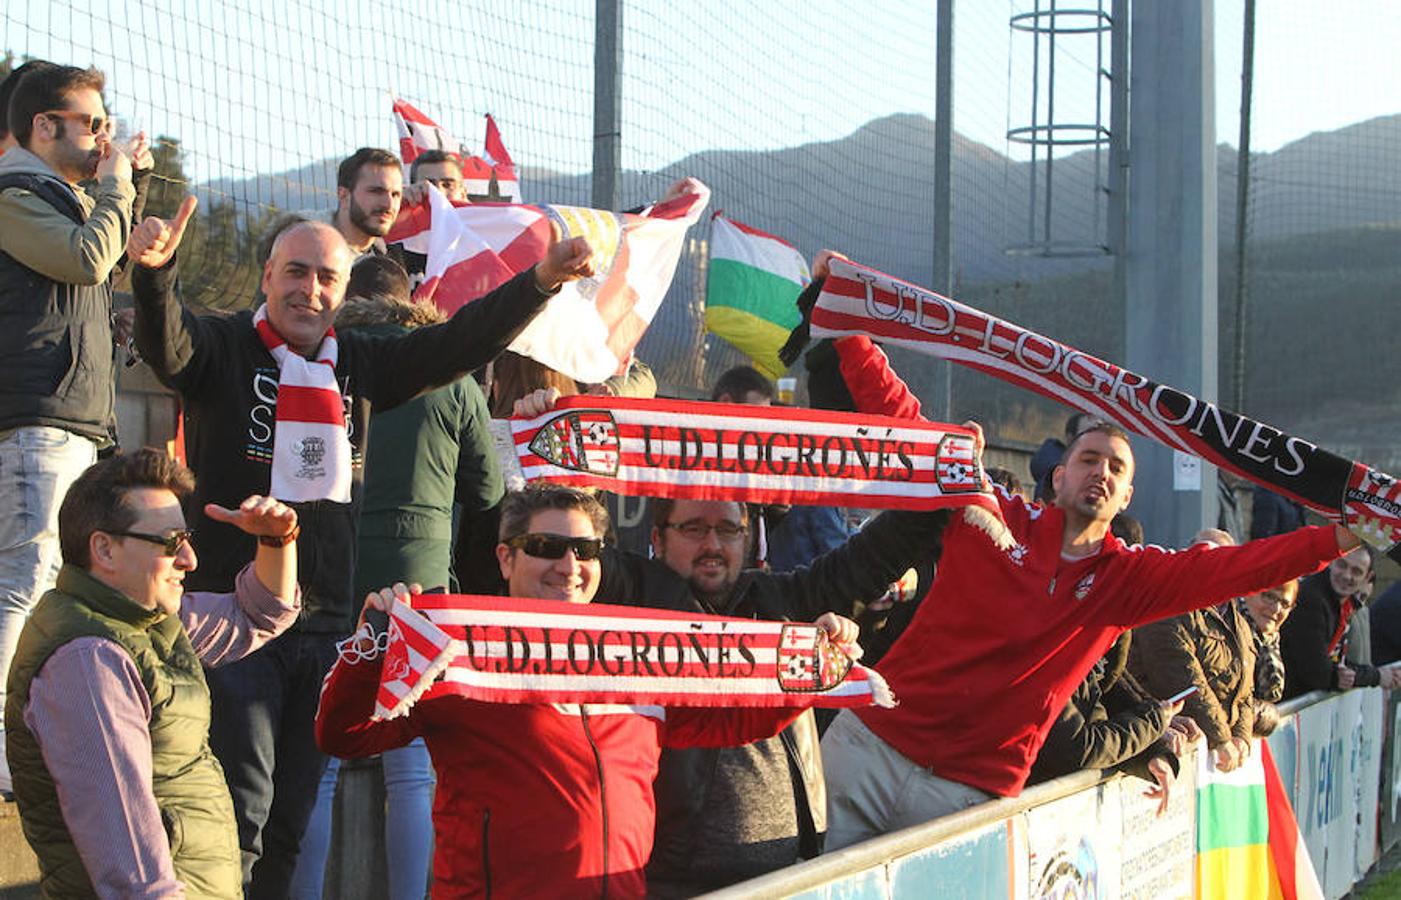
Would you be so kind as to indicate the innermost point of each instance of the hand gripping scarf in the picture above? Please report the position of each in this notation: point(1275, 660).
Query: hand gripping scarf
point(858, 300)
point(310, 449)
point(512, 650)
point(754, 454)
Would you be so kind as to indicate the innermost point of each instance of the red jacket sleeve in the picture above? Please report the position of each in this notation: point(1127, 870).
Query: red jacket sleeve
point(343, 726)
point(872, 382)
point(695, 727)
point(1166, 582)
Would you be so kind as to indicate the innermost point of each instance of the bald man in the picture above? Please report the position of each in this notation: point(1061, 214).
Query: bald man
point(230, 373)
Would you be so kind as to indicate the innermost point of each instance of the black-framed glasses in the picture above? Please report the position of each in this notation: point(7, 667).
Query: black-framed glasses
point(93, 124)
point(697, 530)
point(554, 546)
point(170, 543)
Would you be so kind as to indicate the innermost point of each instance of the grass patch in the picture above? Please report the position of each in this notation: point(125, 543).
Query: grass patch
point(1386, 887)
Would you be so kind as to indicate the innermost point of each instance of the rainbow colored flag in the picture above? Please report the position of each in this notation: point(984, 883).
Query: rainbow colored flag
point(1248, 841)
point(751, 285)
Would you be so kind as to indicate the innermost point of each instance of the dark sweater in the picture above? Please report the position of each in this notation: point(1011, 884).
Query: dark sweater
point(227, 382)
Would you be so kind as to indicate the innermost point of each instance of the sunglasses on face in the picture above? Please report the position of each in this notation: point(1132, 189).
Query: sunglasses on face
point(696, 530)
point(93, 124)
point(170, 543)
point(554, 546)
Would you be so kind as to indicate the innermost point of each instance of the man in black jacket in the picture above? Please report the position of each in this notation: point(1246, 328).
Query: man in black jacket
point(1313, 640)
point(726, 815)
point(1111, 721)
point(229, 383)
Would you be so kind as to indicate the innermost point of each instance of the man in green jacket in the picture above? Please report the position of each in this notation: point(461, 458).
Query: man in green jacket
point(108, 711)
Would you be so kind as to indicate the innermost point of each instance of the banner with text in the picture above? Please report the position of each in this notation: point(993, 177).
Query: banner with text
point(860, 300)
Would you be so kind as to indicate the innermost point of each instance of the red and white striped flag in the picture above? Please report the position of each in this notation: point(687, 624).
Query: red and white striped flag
point(514, 650)
point(491, 177)
point(589, 330)
point(417, 133)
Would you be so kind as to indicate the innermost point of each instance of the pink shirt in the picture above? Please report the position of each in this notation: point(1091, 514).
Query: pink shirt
point(90, 715)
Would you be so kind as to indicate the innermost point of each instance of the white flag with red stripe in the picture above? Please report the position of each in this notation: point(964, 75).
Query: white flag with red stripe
point(489, 177)
point(588, 331)
point(417, 133)
point(514, 650)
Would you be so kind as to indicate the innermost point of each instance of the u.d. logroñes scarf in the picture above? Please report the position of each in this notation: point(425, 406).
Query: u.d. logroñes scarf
point(856, 299)
point(729, 451)
point(513, 650)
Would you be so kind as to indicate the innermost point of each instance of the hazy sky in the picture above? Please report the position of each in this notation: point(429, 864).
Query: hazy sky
point(264, 85)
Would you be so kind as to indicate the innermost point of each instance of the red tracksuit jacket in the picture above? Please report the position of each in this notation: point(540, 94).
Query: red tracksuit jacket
point(534, 800)
point(1003, 638)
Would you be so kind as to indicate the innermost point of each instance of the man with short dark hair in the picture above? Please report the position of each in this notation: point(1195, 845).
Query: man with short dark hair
point(537, 799)
point(276, 401)
point(730, 814)
point(369, 189)
point(108, 713)
point(1005, 636)
point(58, 249)
point(440, 168)
point(743, 384)
point(1313, 641)
point(7, 91)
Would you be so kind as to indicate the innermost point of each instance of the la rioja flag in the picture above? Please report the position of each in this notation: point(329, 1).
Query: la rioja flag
point(588, 331)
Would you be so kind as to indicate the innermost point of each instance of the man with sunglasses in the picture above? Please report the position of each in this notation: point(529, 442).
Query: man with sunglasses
point(59, 245)
point(108, 711)
point(548, 800)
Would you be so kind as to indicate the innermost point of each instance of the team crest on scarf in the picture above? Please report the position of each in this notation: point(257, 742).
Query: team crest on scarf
point(807, 661)
point(585, 441)
point(956, 465)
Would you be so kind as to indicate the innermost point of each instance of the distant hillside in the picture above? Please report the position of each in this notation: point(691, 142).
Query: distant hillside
point(1326, 257)
point(1322, 361)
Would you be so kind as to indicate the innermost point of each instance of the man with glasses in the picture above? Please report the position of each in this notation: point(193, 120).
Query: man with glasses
point(58, 248)
point(536, 799)
point(108, 711)
point(728, 814)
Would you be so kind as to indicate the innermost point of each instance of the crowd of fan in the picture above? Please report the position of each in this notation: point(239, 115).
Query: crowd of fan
point(178, 702)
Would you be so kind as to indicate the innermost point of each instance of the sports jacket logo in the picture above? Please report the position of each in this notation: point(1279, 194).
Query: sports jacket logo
point(581, 441)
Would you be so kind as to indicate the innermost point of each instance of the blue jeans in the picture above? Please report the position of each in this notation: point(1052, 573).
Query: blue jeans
point(264, 710)
point(37, 464)
point(408, 826)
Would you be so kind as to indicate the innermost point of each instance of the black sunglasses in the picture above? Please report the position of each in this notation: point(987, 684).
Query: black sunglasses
point(93, 124)
point(170, 544)
point(554, 546)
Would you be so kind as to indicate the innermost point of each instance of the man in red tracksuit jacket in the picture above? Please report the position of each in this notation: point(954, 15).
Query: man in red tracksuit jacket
point(1004, 636)
point(535, 799)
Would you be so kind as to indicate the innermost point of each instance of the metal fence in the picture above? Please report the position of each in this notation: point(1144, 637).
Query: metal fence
point(811, 119)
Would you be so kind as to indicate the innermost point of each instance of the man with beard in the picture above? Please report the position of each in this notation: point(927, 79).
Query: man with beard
point(728, 814)
point(369, 189)
point(59, 246)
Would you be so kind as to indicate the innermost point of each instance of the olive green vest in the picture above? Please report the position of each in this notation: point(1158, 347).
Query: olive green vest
point(188, 783)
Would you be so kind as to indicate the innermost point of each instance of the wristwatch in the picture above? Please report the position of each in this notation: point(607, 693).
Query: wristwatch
point(268, 540)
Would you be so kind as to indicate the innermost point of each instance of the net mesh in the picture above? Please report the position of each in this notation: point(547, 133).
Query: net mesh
point(810, 120)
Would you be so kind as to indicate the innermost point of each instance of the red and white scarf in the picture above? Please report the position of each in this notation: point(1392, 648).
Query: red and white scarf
point(856, 299)
point(310, 447)
point(753, 454)
point(513, 650)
